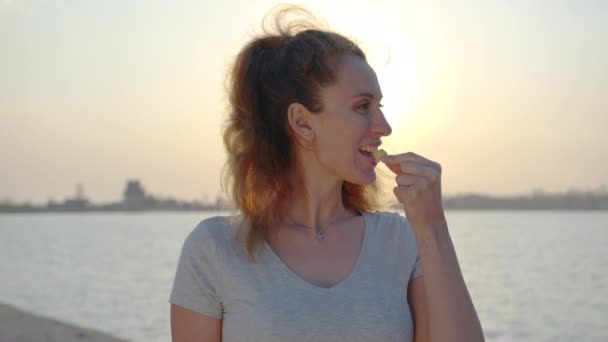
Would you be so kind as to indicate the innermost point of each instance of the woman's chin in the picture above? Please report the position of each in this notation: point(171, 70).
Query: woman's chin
point(363, 178)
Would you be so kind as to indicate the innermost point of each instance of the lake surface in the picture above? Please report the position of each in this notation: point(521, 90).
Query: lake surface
point(533, 275)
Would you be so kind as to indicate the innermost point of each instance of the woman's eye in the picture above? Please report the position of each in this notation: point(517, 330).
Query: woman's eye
point(364, 106)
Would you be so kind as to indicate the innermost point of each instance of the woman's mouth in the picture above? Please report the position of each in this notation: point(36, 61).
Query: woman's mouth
point(366, 152)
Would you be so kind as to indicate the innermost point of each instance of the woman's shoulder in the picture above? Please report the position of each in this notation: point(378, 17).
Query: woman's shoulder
point(211, 230)
point(389, 221)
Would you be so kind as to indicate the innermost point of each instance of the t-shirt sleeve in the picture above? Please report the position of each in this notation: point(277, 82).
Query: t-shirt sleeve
point(197, 277)
point(412, 247)
point(417, 271)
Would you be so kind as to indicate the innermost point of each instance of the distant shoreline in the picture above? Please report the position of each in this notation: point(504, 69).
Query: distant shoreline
point(224, 210)
point(536, 201)
point(18, 325)
point(135, 199)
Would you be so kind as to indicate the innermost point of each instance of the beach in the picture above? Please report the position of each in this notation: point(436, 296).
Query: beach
point(17, 325)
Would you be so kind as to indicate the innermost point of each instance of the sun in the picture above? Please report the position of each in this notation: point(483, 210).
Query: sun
point(392, 53)
point(400, 79)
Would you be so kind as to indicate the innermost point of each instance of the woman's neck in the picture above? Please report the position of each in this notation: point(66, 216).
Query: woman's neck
point(315, 206)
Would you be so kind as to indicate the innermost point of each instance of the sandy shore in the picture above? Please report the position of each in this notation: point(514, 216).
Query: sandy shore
point(17, 325)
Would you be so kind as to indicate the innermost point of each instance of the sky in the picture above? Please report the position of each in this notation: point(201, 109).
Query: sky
point(508, 96)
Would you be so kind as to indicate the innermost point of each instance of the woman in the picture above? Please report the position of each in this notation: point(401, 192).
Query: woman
point(317, 264)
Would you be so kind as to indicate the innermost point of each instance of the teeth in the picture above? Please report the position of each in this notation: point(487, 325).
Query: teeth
point(368, 148)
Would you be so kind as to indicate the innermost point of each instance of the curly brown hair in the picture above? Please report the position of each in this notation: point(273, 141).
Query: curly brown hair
point(286, 64)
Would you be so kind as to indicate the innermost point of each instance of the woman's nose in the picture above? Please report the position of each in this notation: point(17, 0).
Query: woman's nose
point(381, 126)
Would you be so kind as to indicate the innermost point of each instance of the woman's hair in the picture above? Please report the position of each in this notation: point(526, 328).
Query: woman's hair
point(288, 63)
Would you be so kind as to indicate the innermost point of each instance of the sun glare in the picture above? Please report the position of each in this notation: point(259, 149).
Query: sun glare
point(393, 55)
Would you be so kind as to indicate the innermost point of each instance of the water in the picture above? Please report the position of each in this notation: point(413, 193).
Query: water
point(533, 276)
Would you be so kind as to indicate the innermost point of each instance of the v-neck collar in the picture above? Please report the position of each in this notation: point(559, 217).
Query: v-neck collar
point(343, 282)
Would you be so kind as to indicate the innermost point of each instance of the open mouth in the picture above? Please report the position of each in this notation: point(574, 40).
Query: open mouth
point(366, 151)
point(373, 153)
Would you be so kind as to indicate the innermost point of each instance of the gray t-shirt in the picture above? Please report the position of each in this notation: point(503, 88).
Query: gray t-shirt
point(268, 302)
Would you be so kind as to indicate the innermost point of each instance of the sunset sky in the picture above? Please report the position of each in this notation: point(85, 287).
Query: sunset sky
point(508, 96)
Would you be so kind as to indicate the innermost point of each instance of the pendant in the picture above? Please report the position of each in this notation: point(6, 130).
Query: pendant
point(320, 236)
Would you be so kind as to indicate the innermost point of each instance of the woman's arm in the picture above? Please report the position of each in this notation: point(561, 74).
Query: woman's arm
point(440, 300)
point(449, 309)
point(191, 326)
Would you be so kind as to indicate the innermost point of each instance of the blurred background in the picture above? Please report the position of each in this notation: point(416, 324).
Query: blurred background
point(110, 148)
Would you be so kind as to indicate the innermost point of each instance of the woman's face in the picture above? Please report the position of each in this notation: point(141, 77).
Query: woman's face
point(351, 118)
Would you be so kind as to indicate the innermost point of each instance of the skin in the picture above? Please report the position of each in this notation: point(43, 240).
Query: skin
point(327, 154)
point(328, 143)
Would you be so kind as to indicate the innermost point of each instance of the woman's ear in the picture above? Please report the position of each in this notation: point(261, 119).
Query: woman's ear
point(299, 118)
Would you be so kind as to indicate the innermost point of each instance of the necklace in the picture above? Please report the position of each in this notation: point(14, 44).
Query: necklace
point(320, 234)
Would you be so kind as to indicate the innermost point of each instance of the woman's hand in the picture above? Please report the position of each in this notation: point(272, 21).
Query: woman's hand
point(418, 187)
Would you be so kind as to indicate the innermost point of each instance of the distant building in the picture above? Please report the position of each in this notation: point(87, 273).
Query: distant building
point(79, 201)
point(134, 197)
point(76, 203)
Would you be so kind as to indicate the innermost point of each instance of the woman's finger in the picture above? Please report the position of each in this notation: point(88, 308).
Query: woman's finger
point(418, 169)
point(406, 179)
point(392, 160)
